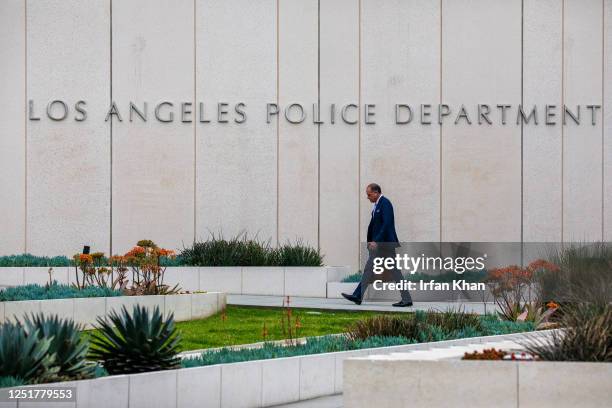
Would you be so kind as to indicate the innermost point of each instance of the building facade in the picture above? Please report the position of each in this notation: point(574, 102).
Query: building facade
point(168, 120)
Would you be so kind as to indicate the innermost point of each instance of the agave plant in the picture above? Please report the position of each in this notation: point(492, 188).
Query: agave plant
point(69, 347)
point(25, 357)
point(136, 343)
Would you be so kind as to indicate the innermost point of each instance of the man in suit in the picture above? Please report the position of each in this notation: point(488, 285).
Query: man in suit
point(382, 241)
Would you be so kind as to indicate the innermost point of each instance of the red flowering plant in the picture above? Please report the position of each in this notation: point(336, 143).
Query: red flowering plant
point(145, 263)
point(90, 270)
point(516, 293)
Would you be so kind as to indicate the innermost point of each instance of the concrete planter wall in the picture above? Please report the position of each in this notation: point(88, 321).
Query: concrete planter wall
point(248, 384)
point(334, 290)
point(396, 383)
point(86, 310)
point(277, 281)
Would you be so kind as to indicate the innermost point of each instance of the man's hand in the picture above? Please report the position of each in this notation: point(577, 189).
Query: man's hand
point(372, 245)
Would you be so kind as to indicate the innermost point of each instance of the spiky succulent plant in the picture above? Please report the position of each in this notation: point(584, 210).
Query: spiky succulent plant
point(69, 347)
point(25, 357)
point(136, 342)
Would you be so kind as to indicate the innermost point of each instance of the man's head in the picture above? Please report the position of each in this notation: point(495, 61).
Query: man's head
point(373, 191)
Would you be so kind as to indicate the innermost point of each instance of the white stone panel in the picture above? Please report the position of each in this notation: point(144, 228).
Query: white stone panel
point(401, 65)
point(280, 381)
point(542, 145)
point(582, 148)
point(340, 192)
point(153, 390)
point(236, 165)
point(298, 146)
point(12, 127)
point(481, 164)
point(153, 162)
point(607, 132)
point(199, 387)
point(241, 384)
point(68, 162)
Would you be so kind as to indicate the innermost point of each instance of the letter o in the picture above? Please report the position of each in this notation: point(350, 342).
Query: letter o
point(50, 109)
point(301, 110)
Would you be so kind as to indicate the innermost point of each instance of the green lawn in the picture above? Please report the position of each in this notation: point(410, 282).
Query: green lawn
point(244, 324)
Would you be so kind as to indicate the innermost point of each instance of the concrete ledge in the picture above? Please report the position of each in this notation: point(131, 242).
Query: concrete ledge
point(221, 279)
point(275, 381)
point(367, 381)
point(304, 281)
point(86, 310)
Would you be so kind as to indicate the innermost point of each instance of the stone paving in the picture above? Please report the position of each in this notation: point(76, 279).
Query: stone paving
point(342, 304)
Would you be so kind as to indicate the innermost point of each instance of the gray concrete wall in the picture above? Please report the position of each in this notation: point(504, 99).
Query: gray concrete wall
point(65, 184)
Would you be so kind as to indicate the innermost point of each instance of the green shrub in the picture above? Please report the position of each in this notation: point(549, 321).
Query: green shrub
point(67, 344)
point(419, 326)
point(25, 356)
point(383, 326)
point(33, 260)
point(296, 254)
point(53, 291)
point(587, 336)
point(8, 381)
point(244, 251)
point(313, 345)
point(136, 342)
point(585, 273)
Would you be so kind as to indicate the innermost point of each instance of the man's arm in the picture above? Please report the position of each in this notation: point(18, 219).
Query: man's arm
point(388, 221)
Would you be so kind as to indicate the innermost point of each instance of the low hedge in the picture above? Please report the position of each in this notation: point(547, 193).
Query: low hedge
point(29, 260)
point(53, 291)
point(489, 325)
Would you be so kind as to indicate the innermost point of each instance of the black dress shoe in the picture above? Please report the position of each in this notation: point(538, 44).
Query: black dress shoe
point(352, 298)
point(402, 304)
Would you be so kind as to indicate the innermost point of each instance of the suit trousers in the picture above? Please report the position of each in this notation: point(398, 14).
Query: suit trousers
point(369, 276)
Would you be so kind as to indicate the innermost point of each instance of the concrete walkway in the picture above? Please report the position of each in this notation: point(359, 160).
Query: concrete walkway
point(342, 304)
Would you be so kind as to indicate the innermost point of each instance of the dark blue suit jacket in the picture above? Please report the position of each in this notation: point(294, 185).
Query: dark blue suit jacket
point(382, 223)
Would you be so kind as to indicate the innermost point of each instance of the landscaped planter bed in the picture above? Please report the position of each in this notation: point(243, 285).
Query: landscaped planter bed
point(248, 384)
point(86, 310)
point(246, 280)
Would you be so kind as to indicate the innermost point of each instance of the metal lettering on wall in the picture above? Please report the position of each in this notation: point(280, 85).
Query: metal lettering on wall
point(330, 114)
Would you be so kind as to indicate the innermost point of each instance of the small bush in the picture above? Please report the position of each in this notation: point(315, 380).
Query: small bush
point(53, 291)
point(33, 260)
point(585, 272)
point(383, 326)
point(314, 345)
point(67, 344)
point(296, 254)
point(25, 356)
point(244, 251)
point(8, 381)
point(587, 336)
point(136, 342)
point(419, 326)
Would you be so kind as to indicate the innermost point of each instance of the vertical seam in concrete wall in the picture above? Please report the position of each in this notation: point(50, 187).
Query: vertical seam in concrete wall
point(277, 122)
point(319, 125)
point(440, 130)
point(25, 133)
point(522, 125)
point(110, 238)
point(359, 139)
point(195, 103)
point(603, 117)
point(562, 124)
